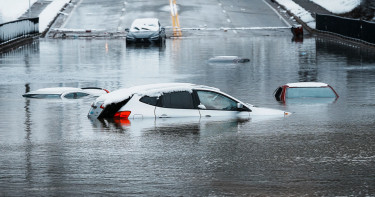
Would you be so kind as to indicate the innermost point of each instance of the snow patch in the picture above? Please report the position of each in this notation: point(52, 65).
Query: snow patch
point(11, 10)
point(298, 11)
point(49, 13)
point(145, 24)
point(307, 84)
point(338, 6)
point(144, 90)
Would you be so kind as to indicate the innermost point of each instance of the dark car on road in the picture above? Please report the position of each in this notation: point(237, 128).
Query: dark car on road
point(146, 30)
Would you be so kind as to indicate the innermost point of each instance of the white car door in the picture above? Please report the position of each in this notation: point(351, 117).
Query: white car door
point(176, 104)
point(213, 104)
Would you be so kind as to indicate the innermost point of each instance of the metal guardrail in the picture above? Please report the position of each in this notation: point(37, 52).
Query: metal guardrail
point(352, 28)
point(17, 29)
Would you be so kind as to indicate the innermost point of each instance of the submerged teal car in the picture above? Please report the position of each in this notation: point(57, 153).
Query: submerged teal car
point(305, 90)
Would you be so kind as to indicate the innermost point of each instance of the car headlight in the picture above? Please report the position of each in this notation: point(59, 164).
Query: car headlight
point(130, 35)
point(155, 36)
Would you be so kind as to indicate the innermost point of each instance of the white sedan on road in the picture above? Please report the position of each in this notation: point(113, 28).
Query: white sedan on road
point(170, 100)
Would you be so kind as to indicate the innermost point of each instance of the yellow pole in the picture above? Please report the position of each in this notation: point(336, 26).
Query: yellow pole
point(175, 21)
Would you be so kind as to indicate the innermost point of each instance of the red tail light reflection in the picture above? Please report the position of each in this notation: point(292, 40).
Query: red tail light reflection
point(122, 115)
point(123, 122)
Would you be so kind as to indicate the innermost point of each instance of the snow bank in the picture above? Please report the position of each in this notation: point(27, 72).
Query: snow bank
point(338, 6)
point(298, 11)
point(11, 10)
point(49, 13)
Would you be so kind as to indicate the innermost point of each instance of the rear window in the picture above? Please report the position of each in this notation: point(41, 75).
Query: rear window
point(149, 100)
point(314, 92)
point(178, 100)
point(43, 96)
point(75, 95)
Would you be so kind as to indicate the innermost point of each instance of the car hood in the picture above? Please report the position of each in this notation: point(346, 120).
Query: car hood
point(262, 111)
point(142, 34)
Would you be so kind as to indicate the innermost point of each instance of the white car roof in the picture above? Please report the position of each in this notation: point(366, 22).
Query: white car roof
point(57, 90)
point(149, 90)
point(307, 84)
point(62, 90)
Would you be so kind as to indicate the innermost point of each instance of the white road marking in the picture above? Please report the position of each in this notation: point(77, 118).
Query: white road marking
point(281, 18)
point(71, 13)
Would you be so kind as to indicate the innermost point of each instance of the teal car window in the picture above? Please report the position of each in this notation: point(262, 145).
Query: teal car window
point(313, 92)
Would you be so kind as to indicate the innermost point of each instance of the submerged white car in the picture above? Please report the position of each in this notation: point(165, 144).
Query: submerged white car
point(171, 100)
point(65, 93)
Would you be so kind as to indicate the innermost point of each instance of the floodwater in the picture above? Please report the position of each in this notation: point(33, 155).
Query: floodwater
point(51, 148)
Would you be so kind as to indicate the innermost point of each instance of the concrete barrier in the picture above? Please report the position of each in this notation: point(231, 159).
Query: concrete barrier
point(346, 27)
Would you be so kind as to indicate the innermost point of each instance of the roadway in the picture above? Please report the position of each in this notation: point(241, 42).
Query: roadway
point(214, 16)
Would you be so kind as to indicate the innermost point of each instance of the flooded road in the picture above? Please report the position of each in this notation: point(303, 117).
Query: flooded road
point(50, 147)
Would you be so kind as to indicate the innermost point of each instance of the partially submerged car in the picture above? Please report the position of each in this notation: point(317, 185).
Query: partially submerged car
point(146, 30)
point(170, 100)
point(65, 93)
point(228, 59)
point(305, 90)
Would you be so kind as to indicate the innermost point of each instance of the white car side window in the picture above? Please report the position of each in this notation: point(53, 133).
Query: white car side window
point(215, 101)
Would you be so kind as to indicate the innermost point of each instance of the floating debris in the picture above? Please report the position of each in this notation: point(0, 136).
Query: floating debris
point(228, 59)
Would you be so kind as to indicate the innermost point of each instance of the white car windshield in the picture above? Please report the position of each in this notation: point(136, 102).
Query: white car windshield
point(144, 25)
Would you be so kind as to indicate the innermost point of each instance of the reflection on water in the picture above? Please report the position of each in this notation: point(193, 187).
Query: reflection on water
point(174, 125)
point(49, 147)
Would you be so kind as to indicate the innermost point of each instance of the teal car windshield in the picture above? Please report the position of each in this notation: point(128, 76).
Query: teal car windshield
point(310, 92)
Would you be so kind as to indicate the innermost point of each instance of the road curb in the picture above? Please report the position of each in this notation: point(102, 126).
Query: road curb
point(43, 34)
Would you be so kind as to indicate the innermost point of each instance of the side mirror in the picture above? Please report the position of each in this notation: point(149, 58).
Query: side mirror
point(201, 106)
point(127, 29)
point(239, 105)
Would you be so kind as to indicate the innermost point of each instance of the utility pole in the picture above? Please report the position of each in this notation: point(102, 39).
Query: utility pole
point(29, 9)
point(175, 21)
